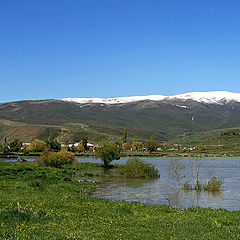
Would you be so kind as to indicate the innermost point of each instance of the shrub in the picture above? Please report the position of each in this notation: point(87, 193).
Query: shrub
point(187, 186)
point(66, 157)
point(214, 184)
point(53, 159)
point(137, 168)
point(199, 187)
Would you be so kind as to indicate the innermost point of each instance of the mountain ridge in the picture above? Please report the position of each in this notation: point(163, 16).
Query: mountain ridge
point(163, 119)
point(217, 97)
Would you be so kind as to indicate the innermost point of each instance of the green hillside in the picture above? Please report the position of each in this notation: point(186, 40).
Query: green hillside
point(213, 137)
point(162, 120)
point(67, 133)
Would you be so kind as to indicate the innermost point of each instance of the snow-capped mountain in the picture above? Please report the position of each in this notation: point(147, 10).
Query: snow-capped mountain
point(216, 97)
point(116, 100)
point(160, 116)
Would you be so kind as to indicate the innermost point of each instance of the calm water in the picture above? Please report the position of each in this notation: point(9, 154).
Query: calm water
point(164, 190)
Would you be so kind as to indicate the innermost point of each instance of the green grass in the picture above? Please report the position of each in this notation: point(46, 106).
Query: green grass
point(47, 203)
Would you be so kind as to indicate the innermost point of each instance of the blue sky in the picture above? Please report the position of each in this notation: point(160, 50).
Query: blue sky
point(110, 48)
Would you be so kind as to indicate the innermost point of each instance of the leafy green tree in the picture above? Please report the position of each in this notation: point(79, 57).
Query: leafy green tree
point(118, 143)
point(80, 148)
point(6, 148)
point(15, 145)
point(25, 149)
point(84, 142)
point(124, 135)
point(37, 145)
point(53, 145)
point(137, 146)
point(72, 148)
point(107, 153)
point(151, 145)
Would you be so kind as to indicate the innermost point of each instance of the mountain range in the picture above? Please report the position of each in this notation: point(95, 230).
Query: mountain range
point(160, 117)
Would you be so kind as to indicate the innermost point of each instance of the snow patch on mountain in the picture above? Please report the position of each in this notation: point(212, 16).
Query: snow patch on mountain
point(116, 100)
point(216, 97)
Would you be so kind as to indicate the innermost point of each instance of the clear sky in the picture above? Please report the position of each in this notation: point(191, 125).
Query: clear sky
point(111, 48)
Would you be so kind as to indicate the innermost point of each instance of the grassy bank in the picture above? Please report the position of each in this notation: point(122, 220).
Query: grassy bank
point(47, 203)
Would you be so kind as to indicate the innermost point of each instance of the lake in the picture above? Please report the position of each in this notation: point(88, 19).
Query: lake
point(164, 189)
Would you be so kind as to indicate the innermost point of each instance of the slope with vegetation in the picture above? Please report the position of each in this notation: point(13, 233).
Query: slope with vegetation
point(162, 120)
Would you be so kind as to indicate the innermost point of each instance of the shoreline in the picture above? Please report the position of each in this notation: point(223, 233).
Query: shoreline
point(14, 155)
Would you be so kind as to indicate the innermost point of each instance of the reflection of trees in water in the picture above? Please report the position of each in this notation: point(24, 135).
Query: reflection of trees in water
point(197, 197)
point(164, 191)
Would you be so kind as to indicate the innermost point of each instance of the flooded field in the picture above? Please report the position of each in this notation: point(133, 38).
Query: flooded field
point(165, 191)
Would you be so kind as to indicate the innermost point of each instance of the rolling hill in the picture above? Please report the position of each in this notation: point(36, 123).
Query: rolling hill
point(157, 116)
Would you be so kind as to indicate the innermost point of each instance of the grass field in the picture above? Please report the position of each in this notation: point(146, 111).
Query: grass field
point(48, 203)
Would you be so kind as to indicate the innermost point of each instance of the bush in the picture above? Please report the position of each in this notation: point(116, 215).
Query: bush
point(187, 186)
point(214, 184)
point(53, 159)
point(137, 168)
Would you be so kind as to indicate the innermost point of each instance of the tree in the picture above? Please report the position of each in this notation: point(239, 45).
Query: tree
point(127, 146)
point(84, 142)
point(196, 166)
point(151, 145)
point(124, 135)
point(137, 146)
point(107, 153)
point(118, 143)
point(16, 145)
point(37, 145)
point(5, 148)
point(53, 145)
point(175, 171)
point(80, 148)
